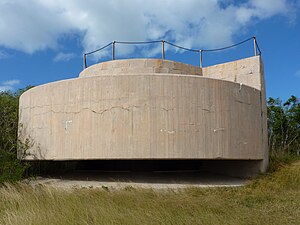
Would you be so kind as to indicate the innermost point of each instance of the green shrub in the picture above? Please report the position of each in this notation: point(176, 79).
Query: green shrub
point(280, 159)
point(284, 125)
point(11, 169)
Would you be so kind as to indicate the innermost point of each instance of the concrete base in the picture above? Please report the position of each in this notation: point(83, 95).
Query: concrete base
point(133, 180)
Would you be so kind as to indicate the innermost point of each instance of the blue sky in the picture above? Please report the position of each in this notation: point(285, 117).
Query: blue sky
point(43, 41)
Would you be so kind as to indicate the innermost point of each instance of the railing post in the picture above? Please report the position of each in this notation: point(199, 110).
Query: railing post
point(163, 49)
point(84, 61)
point(201, 58)
point(255, 48)
point(113, 50)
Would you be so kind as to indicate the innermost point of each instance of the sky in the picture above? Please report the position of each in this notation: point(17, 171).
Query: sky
point(42, 41)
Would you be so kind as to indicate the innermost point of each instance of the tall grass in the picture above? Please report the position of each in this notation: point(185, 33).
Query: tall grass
point(278, 159)
point(271, 199)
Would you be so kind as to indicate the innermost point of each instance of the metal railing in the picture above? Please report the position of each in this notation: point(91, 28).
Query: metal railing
point(256, 48)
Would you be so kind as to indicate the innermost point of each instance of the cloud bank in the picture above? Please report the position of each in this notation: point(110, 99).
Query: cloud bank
point(36, 25)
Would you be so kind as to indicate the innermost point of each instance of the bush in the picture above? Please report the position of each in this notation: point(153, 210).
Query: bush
point(280, 159)
point(284, 125)
point(11, 169)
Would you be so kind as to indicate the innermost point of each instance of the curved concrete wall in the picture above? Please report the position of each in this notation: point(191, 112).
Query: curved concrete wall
point(141, 66)
point(143, 115)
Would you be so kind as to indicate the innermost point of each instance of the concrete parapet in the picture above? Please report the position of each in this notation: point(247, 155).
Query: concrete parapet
point(140, 66)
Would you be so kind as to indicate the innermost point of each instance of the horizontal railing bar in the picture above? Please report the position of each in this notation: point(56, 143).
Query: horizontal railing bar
point(99, 49)
point(224, 48)
point(137, 42)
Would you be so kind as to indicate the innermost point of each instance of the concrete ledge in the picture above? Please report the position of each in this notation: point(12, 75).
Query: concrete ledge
point(141, 66)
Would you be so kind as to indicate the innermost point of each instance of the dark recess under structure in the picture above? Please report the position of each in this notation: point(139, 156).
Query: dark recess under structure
point(233, 168)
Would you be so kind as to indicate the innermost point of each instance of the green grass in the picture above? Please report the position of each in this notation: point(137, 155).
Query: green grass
point(270, 199)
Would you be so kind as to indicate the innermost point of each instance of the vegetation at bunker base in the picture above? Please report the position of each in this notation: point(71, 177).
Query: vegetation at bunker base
point(11, 169)
point(272, 199)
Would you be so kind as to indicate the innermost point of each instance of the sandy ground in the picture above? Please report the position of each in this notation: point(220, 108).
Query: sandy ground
point(122, 179)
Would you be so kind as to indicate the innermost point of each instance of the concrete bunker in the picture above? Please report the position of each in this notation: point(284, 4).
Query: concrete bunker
point(153, 111)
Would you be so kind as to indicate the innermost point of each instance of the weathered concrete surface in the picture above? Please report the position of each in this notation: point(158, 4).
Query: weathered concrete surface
point(250, 72)
point(112, 112)
point(140, 66)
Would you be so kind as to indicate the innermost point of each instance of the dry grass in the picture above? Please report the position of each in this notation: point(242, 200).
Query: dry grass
point(270, 199)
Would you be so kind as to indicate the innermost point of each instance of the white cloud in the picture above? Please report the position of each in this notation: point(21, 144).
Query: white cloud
point(35, 25)
point(8, 85)
point(11, 82)
point(63, 57)
point(267, 8)
point(297, 74)
point(4, 55)
point(4, 88)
